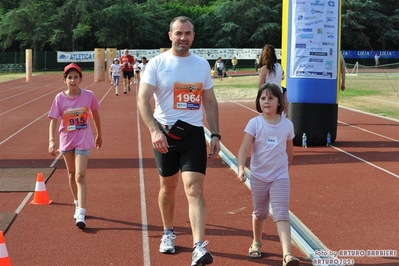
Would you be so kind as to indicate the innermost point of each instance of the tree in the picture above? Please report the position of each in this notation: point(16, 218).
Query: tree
point(244, 23)
point(72, 28)
point(131, 25)
point(85, 25)
point(28, 24)
point(370, 24)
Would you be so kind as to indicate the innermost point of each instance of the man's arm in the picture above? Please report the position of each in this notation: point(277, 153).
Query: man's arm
point(212, 116)
point(159, 141)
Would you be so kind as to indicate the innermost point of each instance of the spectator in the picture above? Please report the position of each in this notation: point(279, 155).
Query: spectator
point(219, 66)
point(234, 62)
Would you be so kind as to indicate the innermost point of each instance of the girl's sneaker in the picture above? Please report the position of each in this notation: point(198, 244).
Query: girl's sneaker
point(201, 256)
point(80, 219)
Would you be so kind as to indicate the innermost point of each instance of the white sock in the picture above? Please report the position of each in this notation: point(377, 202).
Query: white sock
point(76, 203)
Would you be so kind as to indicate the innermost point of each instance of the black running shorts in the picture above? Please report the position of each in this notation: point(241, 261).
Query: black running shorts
point(127, 74)
point(188, 154)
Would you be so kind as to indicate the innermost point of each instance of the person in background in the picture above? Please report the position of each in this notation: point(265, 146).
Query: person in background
point(74, 106)
point(213, 72)
point(115, 70)
point(271, 71)
point(141, 66)
point(127, 62)
point(257, 61)
point(270, 135)
point(234, 62)
point(110, 75)
point(219, 66)
point(182, 87)
point(377, 59)
point(136, 70)
point(343, 72)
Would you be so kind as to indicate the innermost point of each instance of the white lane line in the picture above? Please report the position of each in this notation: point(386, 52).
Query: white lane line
point(12, 135)
point(35, 88)
point(368, 131)
point(37, 98)
point(362, 112)
point(144, 222)
point(366, 162)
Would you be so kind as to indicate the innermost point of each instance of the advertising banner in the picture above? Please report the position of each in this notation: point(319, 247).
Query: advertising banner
point(355, 54)
point(314, 39)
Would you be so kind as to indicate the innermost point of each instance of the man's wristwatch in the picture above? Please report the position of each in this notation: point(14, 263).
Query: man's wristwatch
point(216, 135)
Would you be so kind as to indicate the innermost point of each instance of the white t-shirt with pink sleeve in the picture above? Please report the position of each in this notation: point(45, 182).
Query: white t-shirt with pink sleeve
point(75, 113)
point(269, 156)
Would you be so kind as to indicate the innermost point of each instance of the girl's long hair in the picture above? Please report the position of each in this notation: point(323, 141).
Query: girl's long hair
point(268, 58)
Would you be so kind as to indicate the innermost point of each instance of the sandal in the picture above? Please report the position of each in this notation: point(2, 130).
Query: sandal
point(291, 261)
point(254, 250)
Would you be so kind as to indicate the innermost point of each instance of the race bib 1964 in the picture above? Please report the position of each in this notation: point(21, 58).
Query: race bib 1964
point(187, 96)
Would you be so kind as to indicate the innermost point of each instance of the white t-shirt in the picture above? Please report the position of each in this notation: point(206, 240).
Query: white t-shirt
point(115, 68)
point(219, 65)
point(269, 156)
point(136, 67)
point(162, 72)
point(275, 77)
point(142, 67)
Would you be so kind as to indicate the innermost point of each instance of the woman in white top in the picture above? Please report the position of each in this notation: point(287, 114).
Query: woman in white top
point(271, 71)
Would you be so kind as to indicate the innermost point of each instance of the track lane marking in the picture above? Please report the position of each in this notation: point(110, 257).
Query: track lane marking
point(144, 220)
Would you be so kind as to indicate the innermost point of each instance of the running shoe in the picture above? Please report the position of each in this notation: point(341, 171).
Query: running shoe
point(201, 257)
point(167, 244)
point(80, 221)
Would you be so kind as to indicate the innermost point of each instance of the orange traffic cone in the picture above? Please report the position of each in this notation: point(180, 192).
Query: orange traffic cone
point(40, 197)
point(4, 259)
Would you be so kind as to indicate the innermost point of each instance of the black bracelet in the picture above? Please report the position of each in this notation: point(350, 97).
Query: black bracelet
point(216, 135)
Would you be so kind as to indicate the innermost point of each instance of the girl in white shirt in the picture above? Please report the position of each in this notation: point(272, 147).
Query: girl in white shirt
point(270, 135)
point(115, 69)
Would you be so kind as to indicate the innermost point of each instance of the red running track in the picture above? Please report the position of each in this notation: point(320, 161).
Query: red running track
point(347, 195)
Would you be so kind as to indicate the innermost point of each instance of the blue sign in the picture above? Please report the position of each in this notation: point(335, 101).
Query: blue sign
point(355, 54)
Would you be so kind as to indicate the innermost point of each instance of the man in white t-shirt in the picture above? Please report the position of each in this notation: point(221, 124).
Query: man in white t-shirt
point(182, 87)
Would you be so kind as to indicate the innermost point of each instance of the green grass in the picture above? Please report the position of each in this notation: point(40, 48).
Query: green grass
point(372, 94)
point(366, 92)
point(11, 76)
